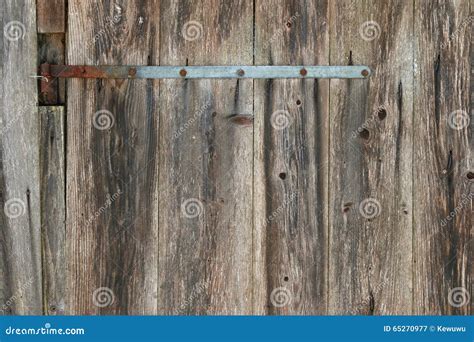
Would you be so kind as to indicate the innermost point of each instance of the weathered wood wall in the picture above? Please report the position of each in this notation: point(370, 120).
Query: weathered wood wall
point(238, 196)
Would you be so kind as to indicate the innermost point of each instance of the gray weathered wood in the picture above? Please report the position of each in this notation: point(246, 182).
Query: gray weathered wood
point(443, 158)
point(370, 257)
point(51, 16)
point(290, 176)
point(205, 243)
point(53, 210)
point(112, 131)
point(20, 270)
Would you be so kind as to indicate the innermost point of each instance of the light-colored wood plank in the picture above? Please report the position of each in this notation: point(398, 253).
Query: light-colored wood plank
point(112, 150)
point(205, 243)
point(20, 278)
point(53, 210)
point(51, 16)
point(370, 261)
point(290, 177)
point(443, 158)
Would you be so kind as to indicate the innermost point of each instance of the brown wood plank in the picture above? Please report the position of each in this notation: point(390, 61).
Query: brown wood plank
point(20, 270)
point(51, 16)
point(112, 130)
point(51, 50)
point(205, 239)
point(370, 262)
point(291, 143)
point(443, 158)
point(53, 210)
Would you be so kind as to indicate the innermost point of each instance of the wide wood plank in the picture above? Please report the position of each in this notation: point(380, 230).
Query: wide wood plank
point(290, 176)
point(20, 263)
point(443, 159)
point(205, 239)
point(53, 210)
point(112, 130)
point(370, 261)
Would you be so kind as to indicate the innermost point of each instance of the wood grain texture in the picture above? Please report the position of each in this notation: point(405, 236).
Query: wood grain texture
point(443, 158)
point(51, 16)
point(53, 209)
point(51, 49)
point(205, 240)
point(112, 130)
point(20, 278)
point(370, 261)
point(290, 176)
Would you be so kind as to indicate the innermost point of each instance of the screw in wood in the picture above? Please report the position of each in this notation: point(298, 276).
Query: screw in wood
point(303, 72)
point(183, 72)
point(240, 72)
point(365, 72)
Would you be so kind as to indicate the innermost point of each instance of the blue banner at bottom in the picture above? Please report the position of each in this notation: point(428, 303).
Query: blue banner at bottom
point(237, 328)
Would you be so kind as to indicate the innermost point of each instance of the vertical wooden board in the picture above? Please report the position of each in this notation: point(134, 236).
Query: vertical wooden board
point(20, 278)
point(53, 211)
point(112, 129)
point(370, 241)
point(51, 49)
point(443, 186)
point(290, 177)
point(205, 240)
point(51, 16)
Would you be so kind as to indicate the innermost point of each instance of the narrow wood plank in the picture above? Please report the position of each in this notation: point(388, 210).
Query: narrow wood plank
point(291, 144)
point(51, 16)
point(443, 189)
point(205, 243)
point(370, 262)
point(20, 270)
point(112, 131)
point(53, 210)
point(51, 49)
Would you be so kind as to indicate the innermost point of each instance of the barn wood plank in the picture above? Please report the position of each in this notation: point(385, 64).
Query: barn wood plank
point(290, 177)
point(20, 278)
point(53, 210)
point(51, 16)
point(370, 262)
point(443, 158)
point(205, 240)
point(112, 206)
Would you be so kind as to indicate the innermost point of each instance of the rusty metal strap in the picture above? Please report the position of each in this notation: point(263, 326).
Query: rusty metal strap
point(158, 72)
